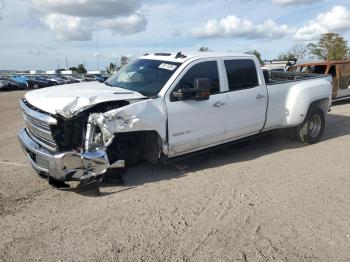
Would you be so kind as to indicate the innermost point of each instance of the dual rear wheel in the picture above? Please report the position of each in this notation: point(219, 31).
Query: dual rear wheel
point(311, 130)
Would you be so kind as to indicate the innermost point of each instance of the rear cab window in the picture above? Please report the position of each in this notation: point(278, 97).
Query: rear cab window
point(241, 74)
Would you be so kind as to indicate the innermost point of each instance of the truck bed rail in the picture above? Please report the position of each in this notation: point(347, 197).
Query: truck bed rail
point(275, 78)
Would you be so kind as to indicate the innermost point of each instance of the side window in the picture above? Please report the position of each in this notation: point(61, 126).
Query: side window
point(202, 70)
point(241, 74)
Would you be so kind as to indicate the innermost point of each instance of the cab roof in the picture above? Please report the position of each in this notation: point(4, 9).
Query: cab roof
point(182, 57)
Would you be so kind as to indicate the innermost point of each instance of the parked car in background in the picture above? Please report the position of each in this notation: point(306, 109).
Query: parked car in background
point(5, 85)
point(339, 70)
point(12, 85)
point(76, 79)
point(63, 79)
point(44, 81)
point(80, 78)
point(69, 79)
point(20, 79)
point(99, 78)
point(37, 82)
point(89, 78)
point(28, 82)
point(54, 79)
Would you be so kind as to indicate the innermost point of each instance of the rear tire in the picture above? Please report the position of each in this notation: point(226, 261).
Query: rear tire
point(311, 130)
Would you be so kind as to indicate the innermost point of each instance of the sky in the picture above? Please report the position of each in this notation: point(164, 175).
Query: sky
point(41, 34)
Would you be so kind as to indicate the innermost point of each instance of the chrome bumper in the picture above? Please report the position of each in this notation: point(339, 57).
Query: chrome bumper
point(63, 165)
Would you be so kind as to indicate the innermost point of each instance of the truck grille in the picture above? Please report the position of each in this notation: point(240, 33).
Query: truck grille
point(38, 126)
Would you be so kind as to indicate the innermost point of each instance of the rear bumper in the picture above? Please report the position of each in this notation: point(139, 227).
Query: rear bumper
point(62, 166)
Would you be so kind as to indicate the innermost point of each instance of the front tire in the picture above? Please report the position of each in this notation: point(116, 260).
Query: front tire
point(311, 130)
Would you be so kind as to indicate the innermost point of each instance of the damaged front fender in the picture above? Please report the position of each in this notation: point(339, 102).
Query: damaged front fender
point(108, 125)
point(148, 115)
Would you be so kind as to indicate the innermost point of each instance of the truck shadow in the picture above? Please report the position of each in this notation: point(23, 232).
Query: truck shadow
point(144, 173)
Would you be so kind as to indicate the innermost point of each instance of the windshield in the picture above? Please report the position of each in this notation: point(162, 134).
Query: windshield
point(144, 76)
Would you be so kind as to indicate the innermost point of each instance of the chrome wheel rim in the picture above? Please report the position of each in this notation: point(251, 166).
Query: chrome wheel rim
point(315, 125)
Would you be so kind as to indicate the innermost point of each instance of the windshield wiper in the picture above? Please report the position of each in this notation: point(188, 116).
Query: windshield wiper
point(107, 84)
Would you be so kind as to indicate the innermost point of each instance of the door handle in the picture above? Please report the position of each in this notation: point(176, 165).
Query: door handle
point(260, 96)
point(219, 104)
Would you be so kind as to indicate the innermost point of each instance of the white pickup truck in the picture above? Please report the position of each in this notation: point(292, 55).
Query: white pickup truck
point(161, 106)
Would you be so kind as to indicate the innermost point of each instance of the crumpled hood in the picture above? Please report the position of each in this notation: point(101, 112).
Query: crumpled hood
point(69, 100)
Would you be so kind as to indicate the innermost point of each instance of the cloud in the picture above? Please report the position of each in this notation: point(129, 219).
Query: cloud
point(232, 26)
point(68, 28)
point(89, 8)
point(335, 20)
point(76, 20)
point(132, 24)
point(35, 51)
point(295, 2)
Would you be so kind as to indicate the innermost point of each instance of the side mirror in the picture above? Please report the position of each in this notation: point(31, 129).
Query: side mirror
point(199, 92)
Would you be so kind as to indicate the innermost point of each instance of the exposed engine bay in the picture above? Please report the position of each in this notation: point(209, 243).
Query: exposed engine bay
point(87, 144)
point(70, 133)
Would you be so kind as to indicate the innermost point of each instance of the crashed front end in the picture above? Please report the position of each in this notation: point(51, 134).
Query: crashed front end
point(72, 149)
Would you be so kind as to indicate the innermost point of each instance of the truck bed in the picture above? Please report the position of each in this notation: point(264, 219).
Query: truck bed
point(289, 94)
point(275, 78)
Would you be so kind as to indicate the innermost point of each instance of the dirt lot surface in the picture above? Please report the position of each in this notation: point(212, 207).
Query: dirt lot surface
point(274, 201)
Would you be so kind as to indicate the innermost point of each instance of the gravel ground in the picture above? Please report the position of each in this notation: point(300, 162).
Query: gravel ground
point(275, 200)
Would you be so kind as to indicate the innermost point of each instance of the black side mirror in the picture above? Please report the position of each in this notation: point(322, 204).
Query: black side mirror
point(199, 92)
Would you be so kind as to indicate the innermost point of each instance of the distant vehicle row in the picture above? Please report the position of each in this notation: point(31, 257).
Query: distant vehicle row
point(21, 82)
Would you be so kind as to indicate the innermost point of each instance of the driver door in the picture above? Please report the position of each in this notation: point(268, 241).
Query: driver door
point(194, 125)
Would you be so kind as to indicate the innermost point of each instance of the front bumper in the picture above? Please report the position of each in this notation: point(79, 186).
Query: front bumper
point(63, 166)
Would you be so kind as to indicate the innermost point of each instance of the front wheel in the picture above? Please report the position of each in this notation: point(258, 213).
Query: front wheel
point(311, 130)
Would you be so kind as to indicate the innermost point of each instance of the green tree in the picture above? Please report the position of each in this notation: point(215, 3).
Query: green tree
point(331, 46)
point(297, 52)
point(257, 54)
point(80, 69)
point(287, 56)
